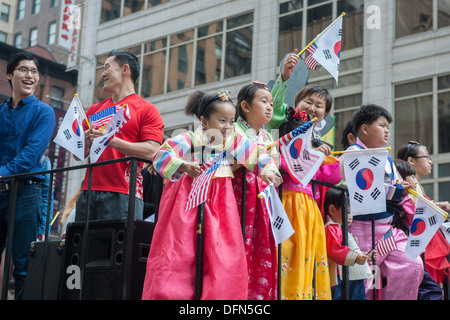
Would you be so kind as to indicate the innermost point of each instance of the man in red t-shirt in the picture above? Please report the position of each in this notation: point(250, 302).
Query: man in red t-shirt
point(140, 136)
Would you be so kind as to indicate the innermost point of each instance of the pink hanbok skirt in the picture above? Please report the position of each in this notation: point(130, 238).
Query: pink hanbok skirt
point(172, 259)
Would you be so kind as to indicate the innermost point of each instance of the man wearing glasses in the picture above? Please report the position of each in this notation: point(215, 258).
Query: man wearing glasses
point(26, 127)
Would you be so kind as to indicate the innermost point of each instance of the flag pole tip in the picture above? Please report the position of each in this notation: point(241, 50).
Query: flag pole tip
point(343, 13)
point(389, 148)
point(76, 94)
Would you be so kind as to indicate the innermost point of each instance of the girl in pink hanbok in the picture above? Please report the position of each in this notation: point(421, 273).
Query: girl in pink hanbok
point(254, 109)
point(172, 258)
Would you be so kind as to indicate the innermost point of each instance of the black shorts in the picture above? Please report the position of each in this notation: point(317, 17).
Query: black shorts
point(106, 205)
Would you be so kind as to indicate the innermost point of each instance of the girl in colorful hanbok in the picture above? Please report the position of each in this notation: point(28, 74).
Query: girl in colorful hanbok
point(436, 252)
point(254, 110)
point(172, 258)
point(305, 273)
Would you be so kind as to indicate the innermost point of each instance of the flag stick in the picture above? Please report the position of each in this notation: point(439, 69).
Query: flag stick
point(442, 212)
point(82, 110)
point(54, 218)
point(361, 150)
point(304, 49)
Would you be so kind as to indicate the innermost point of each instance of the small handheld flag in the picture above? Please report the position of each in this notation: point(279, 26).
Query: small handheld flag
point(200, 187)
point(301, 160)
point(386, 244)
point(71, 134)
point(325, 49)
point(116, 122)
point(364, 174)
point(445, 228)
point(281, 226)
point(428, 218)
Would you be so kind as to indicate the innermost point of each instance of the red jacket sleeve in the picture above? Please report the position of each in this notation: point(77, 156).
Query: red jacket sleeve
point(335, 250)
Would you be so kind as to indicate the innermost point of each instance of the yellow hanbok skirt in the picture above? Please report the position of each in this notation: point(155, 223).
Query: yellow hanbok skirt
point(304, 254)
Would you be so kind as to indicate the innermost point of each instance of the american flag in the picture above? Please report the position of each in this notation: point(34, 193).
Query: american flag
point(101, 118)
point(302, 161)
point(386, 244)
point(200, 187)
point(310, 61)
point(291, 135)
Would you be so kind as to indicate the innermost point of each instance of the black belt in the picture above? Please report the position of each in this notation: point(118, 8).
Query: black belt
point(6, 186)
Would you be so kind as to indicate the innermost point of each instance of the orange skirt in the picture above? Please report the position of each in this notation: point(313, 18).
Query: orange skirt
point(304, 254)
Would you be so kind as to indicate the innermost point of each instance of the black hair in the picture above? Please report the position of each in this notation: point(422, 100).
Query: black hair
point(247, 94)
point(411, 149)
point(404, 168)
point(290, 125)
point(202, 104)
point(348, 129)
point(312, 90)
point(15, 59)
point(368, 114)
point(333, 197)
point(127, 57)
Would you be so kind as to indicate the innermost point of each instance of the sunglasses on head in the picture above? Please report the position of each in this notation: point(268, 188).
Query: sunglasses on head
point(408, 147)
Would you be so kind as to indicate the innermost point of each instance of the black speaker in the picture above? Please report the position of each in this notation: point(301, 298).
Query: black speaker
point(44, 270)
point(113, 270)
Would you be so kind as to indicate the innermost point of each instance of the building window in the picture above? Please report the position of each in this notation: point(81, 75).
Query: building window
point(300, 21)
point(132, 6)
point(416, 16)
point(209, 53)
point(51, 33)
point(56, 97)
point(113, 9)
point(3, 37)
point(110, 10)
point(5, 12)
point(36, 6)
point(152, 3)
point(238, 48)
point(33, 37)
point(18, 40)
point(54, 3)
point(422, 113)
point(343, 109)
point(20, 10)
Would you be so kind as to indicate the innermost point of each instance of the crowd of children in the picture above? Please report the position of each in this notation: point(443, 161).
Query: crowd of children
point(240, 256)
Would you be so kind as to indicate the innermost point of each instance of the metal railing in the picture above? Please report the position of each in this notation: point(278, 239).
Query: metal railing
point(14, 179)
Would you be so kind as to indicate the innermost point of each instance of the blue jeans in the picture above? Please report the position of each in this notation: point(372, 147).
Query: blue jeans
point(28, 207)
point(356, 290)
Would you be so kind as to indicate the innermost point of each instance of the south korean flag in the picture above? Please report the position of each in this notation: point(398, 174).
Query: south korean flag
point(281, 226)
point(364, 174)
point(428, 218)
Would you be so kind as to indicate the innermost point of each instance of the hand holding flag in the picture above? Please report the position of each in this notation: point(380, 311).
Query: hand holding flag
point(200, 187)
point(325, 49)
point(99, 144)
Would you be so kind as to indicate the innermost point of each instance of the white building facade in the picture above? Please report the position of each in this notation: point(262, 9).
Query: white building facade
point(395, 54)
